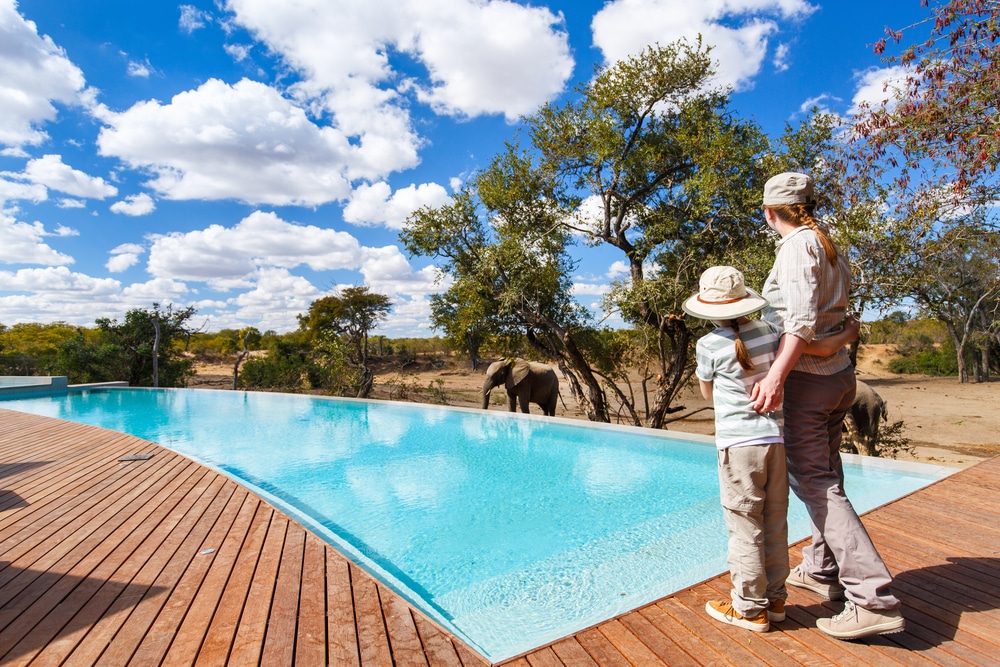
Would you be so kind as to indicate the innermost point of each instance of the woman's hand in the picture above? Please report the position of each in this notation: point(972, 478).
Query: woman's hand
point(768, 394)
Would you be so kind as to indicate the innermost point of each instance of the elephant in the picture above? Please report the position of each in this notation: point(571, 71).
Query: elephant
point(526, 381)
point(862, 421)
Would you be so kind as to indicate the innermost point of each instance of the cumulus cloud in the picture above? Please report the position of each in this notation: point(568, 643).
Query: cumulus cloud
point(483, 56)
point(261, 239)
point(54, 174)
point(157, 290)
point(13, 190)
point(123, 257)
point(60, 281)
point(134, 205)
point(276, 298)
point(35, 73)
point(22, 243)
point(140, 70)
point(221, 141)
point(738, 30)
point(376, 204)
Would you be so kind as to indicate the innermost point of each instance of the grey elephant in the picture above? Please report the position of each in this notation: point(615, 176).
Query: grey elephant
point(862, 422)
point(526, 382)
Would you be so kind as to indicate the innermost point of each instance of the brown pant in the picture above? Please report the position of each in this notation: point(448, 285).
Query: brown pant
point(814, 408)
point(753, 486)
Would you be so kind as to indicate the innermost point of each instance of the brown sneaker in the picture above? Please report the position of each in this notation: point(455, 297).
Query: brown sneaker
point(856, 622)
point(776, 611)
point(722, 610)
point(800, 579)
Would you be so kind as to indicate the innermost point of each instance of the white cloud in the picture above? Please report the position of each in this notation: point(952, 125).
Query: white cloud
point(243, 142)
point(135, 205)
point(238, 52)
point(121, 262)
point(34, 73)
point(259, 240)
point(491, 57)
point(11, 190)
point(21, 243)
point(878, 87)
point(71, 203)
point(157, 290)
point(54, 174)
point(780, 59)
point(377, 204)
point(192, 18)
point(127, 247)
point(819, 102)
point(60, 282)
point(738, 30)
point(277, 297)
point(141, 70)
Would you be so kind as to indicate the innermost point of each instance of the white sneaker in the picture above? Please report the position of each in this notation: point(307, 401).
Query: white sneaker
point(856, 622)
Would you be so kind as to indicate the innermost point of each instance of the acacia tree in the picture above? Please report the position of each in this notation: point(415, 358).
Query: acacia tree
point(349, 316)
point(654, 164)
point(501, 243)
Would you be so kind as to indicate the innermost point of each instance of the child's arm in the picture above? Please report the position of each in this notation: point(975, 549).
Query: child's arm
point(831, 344)
point(706, 389)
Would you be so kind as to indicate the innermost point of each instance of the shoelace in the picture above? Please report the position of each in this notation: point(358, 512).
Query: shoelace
point(848, 612)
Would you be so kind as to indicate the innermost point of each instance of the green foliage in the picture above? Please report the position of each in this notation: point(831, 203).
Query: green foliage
point(33, 349)
point(919, 355)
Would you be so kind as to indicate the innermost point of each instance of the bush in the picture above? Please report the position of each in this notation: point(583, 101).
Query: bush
point(926, 360)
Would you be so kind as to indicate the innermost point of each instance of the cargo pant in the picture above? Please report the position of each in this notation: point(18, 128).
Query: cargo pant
point(753, 485)
point(814, 408)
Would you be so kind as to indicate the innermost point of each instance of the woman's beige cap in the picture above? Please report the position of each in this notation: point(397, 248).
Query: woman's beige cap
point(789, 188)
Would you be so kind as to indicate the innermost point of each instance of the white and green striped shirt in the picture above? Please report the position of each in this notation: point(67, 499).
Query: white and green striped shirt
point(736, 422)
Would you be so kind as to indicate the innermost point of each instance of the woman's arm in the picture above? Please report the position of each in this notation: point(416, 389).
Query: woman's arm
point(767, 394)
point(832, 344)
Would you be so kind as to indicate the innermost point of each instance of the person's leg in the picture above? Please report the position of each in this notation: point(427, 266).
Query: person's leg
point(776, 523)
point(742, 476)
point(814, 408)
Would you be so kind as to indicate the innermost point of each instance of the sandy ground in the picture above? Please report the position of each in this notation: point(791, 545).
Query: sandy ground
point(948, 423)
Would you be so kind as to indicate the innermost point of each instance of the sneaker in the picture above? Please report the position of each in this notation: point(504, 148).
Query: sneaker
point(800, 579)
point(776, 611)
point(722, 610)
point(856, 622)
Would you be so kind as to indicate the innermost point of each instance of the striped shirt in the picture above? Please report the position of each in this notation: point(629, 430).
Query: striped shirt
point(808, 296)
point(736, 422)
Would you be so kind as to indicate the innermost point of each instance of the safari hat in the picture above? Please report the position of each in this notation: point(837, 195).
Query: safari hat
point(722, 295)
point(789, 188)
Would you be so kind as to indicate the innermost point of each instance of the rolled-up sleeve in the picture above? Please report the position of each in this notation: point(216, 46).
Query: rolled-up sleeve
point(797, 268)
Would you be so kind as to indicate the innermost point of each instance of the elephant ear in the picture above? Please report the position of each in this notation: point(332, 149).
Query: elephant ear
point(518, 370)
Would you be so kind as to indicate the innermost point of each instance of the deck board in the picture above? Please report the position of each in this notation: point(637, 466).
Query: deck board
point(105, 562)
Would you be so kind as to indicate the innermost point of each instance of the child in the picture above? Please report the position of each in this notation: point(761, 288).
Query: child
point(753, 479)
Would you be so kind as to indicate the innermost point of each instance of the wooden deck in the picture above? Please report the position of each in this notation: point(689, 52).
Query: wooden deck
point(162, 561)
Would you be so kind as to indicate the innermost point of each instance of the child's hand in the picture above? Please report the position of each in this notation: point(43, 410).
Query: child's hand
point(852, 327)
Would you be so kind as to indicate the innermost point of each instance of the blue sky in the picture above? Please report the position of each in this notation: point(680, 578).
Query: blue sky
point(247, 157)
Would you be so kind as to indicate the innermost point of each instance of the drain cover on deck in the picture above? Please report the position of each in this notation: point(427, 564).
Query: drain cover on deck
point(136, 457)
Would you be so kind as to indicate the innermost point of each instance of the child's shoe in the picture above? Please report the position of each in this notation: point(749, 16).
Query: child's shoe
point(776, 611)
point(722, 610)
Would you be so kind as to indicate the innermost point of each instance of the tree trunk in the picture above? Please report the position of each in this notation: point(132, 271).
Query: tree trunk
point(239, 360)
point(680, 339)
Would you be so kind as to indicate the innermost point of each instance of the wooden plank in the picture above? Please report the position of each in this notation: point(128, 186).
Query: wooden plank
point(402, 631)
point(249, 640)
point(601, 649)
point(222, 630)
point(310, 642)
point(279, 641)
point(572, 653)
point(373, 642)
point(438, 647)
point(342, 632)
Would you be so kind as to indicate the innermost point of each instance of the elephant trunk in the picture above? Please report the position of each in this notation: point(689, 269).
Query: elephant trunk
point(487, 388)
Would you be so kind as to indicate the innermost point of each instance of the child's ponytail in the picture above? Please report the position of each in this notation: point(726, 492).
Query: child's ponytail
point(742, 355)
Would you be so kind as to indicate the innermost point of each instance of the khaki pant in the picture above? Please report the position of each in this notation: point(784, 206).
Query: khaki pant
point(753, 485)
point(814, 407)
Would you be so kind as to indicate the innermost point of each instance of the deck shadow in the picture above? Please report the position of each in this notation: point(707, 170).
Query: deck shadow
point(7, 469)
point(56, 611)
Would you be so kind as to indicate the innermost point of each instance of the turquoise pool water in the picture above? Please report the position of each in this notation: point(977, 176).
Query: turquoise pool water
point(511, 531)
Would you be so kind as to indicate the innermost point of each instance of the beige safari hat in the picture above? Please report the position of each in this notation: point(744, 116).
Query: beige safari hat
point(722, 295)
point(789, 188)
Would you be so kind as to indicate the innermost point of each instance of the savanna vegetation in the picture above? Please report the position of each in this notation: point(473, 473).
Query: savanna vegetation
point(651, 161)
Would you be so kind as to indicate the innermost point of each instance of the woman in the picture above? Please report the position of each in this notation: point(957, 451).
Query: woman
point(808, 290)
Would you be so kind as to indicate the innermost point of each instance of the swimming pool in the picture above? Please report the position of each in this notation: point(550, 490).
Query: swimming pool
point(509, 530)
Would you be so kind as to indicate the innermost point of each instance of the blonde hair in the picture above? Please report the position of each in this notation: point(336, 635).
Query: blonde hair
point(802, 214)
point(742, 354)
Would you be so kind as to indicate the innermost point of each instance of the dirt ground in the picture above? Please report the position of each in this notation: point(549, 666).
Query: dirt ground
point(948, 423)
